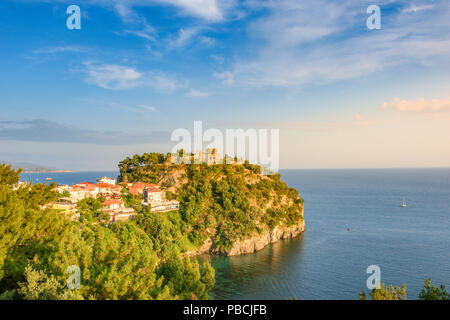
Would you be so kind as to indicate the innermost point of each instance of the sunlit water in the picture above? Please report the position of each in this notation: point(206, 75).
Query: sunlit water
point(353, 220)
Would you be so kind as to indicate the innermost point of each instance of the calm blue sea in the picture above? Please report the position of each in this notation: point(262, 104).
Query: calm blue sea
point(69, 178)
point(353, 220)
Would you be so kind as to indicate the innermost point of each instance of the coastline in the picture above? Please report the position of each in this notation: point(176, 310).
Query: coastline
point(252, 244)
point(50, 171)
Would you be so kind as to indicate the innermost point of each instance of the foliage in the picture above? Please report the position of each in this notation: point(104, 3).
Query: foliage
point(385, 293)
point(120, 261)
point(8, 175)
point(89, 209)
point(430, 292)
point(226, 201)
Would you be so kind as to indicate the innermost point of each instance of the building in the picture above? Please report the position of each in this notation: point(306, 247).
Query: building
point(62, 187)
point(153, 195)
point(139, 187)
point(166, 205)
point(113, 204)
point(106, 180)
point(108, 190)
point(77, 194)
point(124, 214)
point(117, 210)
point(90, 190)
point(210, 157)
point(156, 200)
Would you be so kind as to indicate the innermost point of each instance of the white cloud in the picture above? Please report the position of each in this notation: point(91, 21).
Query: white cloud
point(419, 106)
point(415, 8)
point(205, 9)
point(113, 77)
point(196, 94)
point(226, 77)
point(299, 42)
point(184, 36)
point(147, 32)
point(146, 107)
point(208, 10)
point(118, 77)
point(62, 49)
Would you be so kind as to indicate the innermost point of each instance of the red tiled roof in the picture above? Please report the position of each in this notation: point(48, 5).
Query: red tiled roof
point(138, 187)
point(110, 202)
point(153, 189)
point(104, 185)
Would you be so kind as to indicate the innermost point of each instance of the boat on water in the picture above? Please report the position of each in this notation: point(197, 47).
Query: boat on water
point(403, 205)
point(48, 179)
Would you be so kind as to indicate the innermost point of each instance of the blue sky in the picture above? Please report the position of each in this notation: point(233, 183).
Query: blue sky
point(341, 95)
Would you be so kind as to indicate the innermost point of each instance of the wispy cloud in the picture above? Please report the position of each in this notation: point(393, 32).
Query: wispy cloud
point(62, 49)
point(418, 106)
point(208, 10)
point(146, 107)
point(298, 42)
point(416, 8)
point(141, 108)
point(226, 77)
point(119, 77)
point(145, 31)
point(196, 94)
point(114, 77)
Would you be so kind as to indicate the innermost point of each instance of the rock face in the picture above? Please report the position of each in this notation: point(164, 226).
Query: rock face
point(255, 243)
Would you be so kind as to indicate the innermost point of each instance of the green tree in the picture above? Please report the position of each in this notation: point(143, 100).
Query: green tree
point(385, 293)
point(8, 175)
point(430, 292)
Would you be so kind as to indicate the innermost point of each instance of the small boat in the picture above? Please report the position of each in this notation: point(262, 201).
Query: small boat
point(403, 205)
point(48, 179)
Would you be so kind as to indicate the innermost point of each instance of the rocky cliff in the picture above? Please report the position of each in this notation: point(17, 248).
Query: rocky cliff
point(254, 243)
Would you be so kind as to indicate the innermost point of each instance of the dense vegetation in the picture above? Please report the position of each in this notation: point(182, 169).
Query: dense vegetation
point(139, 259)
point(429, 292)
point(224, 202)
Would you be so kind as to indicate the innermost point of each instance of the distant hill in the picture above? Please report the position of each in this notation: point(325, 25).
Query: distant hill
point(28, 167)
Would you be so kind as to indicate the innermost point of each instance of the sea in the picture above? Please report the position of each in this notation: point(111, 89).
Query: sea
point(354, 219)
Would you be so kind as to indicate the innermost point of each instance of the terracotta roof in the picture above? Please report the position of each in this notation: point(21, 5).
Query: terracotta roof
point(153, 189)
point(110, 202)
point(105, 185)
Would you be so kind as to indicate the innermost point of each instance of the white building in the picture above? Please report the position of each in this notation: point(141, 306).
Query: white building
point(153, 195)
point(77, 194)
point(106, 180)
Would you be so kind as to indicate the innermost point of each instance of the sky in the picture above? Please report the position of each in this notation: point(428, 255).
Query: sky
point(341, 94)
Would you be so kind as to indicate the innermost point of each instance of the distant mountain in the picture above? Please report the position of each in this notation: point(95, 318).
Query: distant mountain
point(28, 167)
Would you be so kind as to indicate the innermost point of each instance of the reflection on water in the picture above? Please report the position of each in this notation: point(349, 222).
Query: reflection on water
point(353, 220)
point(267, 270)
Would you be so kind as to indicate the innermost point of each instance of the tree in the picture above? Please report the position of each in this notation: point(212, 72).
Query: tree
point(430, 292)
point(8, 175)
point(385, 293)
point(119, 261)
